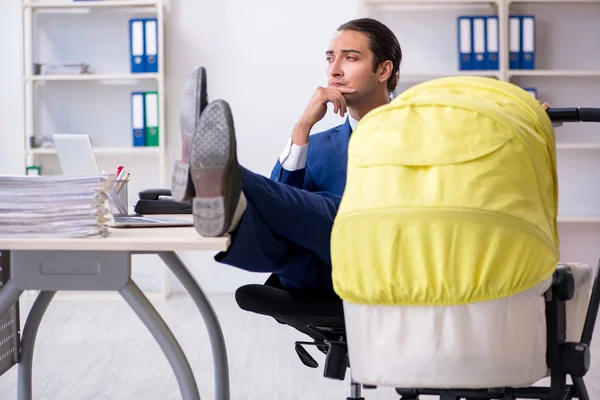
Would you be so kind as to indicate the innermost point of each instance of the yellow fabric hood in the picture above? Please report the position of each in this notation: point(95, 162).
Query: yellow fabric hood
point(451, 197)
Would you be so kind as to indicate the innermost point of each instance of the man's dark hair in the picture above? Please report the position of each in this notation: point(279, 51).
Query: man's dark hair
point(382, 42)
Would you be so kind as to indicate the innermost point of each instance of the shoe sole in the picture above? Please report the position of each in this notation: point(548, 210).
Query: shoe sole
point(212, 156)
point(193, 103)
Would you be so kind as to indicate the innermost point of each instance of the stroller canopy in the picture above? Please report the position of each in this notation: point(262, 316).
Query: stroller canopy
point(451, 197)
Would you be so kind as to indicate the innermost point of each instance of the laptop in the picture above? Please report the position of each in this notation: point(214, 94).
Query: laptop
point(140, 221)
point(75, 154)
point(76, 157)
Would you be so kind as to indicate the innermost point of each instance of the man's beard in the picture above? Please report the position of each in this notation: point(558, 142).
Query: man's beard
point(361, 96)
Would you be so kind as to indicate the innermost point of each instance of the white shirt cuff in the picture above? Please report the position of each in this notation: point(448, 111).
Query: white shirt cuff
point(293, 156)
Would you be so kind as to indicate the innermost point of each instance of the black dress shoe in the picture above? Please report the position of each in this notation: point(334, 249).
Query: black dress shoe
point(193, 103)
point(214, 170)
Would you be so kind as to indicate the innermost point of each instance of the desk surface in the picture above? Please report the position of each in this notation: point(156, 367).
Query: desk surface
point(127, 239)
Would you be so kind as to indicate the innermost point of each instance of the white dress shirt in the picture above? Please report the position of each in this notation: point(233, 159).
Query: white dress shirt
point(293, 156)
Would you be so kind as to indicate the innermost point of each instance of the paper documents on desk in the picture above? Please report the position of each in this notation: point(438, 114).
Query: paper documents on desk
point(54, 206)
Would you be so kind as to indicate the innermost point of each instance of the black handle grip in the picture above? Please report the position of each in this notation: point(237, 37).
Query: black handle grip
point(589, 114)
point(564, 114)
point(574, 114)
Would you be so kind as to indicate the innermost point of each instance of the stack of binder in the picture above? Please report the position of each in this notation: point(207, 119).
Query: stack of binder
point(144, 118)
point(478, 42)
point(54, 206)
point(143, 45)
point(522, 41)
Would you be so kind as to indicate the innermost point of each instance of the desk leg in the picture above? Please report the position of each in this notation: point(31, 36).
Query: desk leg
point(215, 333)
point(163, 335)
point(34, 319)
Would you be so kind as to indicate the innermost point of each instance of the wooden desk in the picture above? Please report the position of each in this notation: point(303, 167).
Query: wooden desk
point(50, 265)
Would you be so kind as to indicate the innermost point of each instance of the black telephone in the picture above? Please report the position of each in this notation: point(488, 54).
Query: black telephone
point(159, 201)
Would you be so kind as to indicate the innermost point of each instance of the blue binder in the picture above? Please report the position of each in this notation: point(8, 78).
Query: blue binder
point(151, 45)
point(514, 25)
point(138, 121)
point(478, 43)
point(136, 45)
point(465, 43)
point(492, 43)
point(528, 42)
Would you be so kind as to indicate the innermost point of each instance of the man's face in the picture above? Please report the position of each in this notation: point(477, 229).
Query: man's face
point(350, 64)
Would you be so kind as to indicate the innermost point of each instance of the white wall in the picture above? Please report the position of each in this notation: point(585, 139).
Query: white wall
point(264, 57)
point(11, 126)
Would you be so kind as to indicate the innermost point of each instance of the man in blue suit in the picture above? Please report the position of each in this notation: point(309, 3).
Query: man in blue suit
point(283, 224)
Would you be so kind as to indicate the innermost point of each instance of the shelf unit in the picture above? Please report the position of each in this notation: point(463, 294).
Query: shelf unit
point(99, 103)
point(120, 76)
point(383, 10)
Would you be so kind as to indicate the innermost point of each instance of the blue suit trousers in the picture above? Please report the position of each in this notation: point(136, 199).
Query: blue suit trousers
point(286, 231)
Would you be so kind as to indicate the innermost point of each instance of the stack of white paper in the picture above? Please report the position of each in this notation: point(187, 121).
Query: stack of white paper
point(53, 206)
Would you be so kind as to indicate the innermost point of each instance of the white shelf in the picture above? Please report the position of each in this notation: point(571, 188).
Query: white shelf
point(551, 73)
point(576, 219)
point(578, 146)
point(92, 77)
point(433, 75)
point(553, 1)
point(104, 150)
point(91, 4)
point(428, 2)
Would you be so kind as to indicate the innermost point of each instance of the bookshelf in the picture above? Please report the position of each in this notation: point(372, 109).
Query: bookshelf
point(566, 74)
point(98, 103)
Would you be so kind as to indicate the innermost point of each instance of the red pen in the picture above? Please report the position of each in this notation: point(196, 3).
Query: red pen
point(119, 169)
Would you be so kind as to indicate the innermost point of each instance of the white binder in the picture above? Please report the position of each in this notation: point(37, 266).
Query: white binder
point(515, 42)
point(151, 33)
point(528, 42)
point(465, 45)
point(479, 43)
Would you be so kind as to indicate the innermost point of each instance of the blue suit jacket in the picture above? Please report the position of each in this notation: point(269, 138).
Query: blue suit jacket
point(326, 163)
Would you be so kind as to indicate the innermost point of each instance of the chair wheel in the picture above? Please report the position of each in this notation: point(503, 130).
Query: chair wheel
point(409, 398)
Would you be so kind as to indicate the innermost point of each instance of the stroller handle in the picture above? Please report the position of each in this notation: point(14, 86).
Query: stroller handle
point(560, 115)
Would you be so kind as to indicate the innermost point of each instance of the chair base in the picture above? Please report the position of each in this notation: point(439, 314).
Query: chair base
point(355, 394)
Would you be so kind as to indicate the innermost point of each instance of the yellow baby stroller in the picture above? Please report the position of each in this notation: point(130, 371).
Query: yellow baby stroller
point(445, 248)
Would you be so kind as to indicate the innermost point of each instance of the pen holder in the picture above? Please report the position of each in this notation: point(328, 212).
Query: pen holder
point(117, 197)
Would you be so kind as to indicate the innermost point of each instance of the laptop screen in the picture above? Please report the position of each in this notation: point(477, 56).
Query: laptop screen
point(75, 154)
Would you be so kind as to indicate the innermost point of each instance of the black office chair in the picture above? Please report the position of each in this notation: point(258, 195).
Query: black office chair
point(318, 315)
